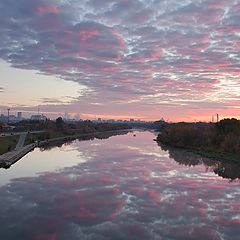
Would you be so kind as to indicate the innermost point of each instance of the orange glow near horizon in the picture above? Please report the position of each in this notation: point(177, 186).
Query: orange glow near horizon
point(147, 116)
point(173, 119)
point(200, 118)
point(109, 116)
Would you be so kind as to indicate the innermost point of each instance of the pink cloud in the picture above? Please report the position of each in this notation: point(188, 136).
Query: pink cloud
point(86, 35)
point(127, 51)
point(45, 9)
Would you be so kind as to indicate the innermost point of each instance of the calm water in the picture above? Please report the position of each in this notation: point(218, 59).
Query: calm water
point(123, 187)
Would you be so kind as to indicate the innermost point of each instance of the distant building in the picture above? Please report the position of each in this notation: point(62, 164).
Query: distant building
point(19, 116)
point(111, 121)
point(66, 117)
point(6, 119)
point(12, 118)
point(38, 117)
point(77, 117)
point(3, 118)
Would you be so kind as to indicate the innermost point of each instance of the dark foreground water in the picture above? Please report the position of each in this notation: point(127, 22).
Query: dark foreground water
point(124, 187)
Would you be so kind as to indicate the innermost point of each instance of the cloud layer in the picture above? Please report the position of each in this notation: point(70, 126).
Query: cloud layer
point(152, 53)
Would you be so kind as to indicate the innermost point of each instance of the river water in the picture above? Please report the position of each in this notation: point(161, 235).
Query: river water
point(122, 187)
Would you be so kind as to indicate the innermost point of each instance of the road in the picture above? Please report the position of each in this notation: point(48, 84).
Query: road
point(21, 140)
point(9, 158)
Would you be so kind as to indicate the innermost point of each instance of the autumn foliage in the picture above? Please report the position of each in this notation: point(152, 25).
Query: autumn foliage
point(221, 137)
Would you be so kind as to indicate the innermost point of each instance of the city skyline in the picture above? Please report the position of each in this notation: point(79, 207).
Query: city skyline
point(14, 117)
point(121, 59)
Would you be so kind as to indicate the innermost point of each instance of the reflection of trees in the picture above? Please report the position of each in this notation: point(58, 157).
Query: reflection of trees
point(59, 143)
point(51, 145)
point(106, 135)
point(223, 169)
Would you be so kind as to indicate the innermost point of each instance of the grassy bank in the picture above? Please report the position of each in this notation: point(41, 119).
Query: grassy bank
point(219, 141)
point(62, 129)
point(57, 129)
point(218, 155)
point(33, 137)
point(8, 143)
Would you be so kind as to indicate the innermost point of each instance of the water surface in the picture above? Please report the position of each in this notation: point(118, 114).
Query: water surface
point(123, 187)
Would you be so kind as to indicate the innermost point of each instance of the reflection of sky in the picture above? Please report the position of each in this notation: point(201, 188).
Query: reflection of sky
point(38, 161)
point(130, 189)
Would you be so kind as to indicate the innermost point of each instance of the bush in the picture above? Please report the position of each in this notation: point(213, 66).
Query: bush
point(222, 137)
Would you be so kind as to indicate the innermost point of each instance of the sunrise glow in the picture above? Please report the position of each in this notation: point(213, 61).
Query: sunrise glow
point(121, 59)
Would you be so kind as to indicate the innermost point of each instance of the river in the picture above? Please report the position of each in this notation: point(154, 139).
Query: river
point(121, 187)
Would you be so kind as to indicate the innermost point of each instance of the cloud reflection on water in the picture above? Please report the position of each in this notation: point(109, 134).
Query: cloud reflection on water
point(127, 191)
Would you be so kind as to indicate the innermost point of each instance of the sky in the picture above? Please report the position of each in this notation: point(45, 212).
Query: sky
point(142, 59)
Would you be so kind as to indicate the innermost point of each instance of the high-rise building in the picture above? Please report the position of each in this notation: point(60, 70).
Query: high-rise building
point(38, 117)
point(19, 116)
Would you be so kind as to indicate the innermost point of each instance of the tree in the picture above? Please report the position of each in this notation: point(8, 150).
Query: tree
point(59, 122)
point(1, 126)
point(227, 126)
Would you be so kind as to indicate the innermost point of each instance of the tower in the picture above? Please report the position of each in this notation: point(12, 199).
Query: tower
point(8, 113)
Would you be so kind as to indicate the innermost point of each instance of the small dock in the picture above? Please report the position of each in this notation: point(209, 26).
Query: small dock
point(9, 158)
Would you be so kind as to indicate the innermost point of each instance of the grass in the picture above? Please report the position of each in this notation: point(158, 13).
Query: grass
point(229, 157)
point(8, 143)
point(33, 137)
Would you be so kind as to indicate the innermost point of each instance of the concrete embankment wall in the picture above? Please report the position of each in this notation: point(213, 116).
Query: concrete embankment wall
point(9, 158)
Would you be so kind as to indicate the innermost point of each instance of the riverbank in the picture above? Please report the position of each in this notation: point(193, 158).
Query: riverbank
point(223, 157)
point(213, 140)
point(11, 157)
point(226, 157)
point(74, 137)
point(8, 143)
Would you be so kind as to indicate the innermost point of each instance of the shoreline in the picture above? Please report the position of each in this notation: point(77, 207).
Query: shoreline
point(9, 158)
point(224, 157)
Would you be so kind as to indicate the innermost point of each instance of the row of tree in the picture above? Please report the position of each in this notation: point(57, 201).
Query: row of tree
point(88, 126)
point(222, 137)
point(67, 127)
point(61, 128)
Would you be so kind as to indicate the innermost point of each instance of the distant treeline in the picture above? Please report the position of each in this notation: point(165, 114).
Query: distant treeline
point(61, 142)
point(59, 128)
point(221, 139)
point(60, 125)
